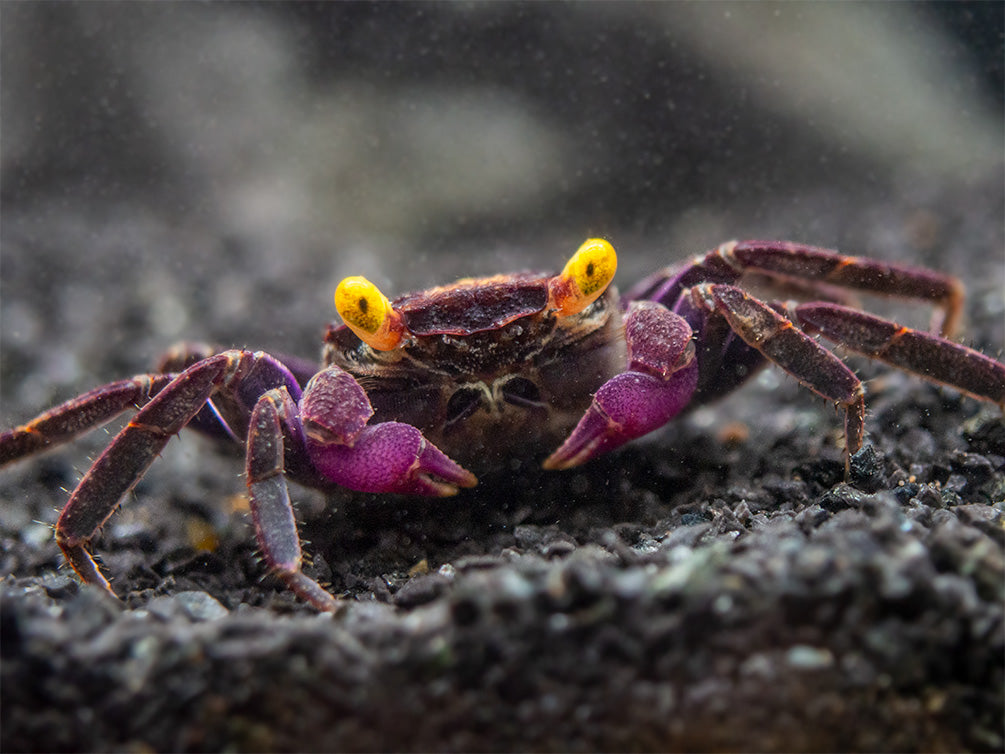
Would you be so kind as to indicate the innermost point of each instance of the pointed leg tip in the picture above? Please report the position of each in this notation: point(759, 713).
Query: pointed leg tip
point(312, 592)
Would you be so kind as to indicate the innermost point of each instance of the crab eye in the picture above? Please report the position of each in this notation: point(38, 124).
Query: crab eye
point(367, 312)
point(584, 278)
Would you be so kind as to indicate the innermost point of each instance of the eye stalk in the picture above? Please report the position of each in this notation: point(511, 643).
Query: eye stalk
point(367, 312)
point(585, 277)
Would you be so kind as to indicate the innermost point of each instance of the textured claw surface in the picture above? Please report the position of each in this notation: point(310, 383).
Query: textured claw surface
point(595, 432)
point(335, 408)
point(434, 465)
point(629, 405)
point(660, 381)
point(392, 457)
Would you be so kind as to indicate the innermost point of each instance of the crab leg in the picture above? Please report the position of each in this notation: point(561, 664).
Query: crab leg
point(386, 457)
point(274, 425)
point(209, 421)
point(186, 353)
point(223, 417)
point(819, 267)
point(926, 355)
point(136, 446)
point(775, 336)
point(661, 377)
point(78, 415)
point(725, 361)
point(812, 263)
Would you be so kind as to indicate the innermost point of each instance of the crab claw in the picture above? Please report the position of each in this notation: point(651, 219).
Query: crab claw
point(391, 457)
point(629, 405)
point(659, 382)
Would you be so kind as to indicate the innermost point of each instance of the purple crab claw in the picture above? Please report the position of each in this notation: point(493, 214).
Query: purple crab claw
point(392, 457)
point(595, 432)
point(660, 380)
point(629, 405)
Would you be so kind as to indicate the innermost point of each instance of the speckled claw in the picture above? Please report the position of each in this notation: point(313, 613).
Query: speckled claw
point(392, 457)
point(595, 434)
point(434, 473)
point(659, 382)
point(630, 405)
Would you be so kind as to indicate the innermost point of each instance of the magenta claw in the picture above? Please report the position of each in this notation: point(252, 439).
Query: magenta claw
point(433, 463)
point(659, 382)
point(391, 457)
point(629, 405)
point(595, 433)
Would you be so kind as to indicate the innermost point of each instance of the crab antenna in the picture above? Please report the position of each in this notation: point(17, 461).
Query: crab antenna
point(367, 312)
point(584, 278)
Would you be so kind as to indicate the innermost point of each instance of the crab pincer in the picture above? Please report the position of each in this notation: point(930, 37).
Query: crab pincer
point(391, 457)
point(385, 457)
point(661, 378)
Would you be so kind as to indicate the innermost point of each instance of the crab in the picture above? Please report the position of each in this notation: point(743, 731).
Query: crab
point(412, 394)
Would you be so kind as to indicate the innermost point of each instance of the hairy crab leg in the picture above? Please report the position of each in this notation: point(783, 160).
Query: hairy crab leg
point(386, 457)
point(138, 444)
point(669, 285)
point(921, 353)
point(788, 261)
point(273, 427)
point(225, 417)
point(182, 355)
point(784, 344)
point(659, 382)
point(210, 420)
point(812, 263)
point(78, 415)
point(725, 360)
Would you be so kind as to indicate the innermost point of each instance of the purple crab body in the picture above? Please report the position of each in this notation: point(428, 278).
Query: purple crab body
point(413, 393)
point(511, 381)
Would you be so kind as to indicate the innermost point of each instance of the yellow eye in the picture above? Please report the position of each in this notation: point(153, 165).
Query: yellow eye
point(367, 312)
point(584, 278)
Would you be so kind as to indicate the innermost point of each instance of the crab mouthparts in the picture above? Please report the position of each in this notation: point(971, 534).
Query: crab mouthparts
point(511, 390)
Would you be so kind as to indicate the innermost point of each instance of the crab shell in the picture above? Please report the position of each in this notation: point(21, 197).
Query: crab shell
point(489, 373)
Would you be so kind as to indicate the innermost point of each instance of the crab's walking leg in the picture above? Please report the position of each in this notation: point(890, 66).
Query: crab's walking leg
point(926, 355)
point(78, 415)
point(811, 263)
point(815, 267)
point(274, 425)
point(660, 380)
point(246, 375)
point(386, 457)
point(224, 418)
point(775, 336)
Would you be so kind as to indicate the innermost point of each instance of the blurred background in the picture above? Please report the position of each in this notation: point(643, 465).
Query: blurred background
point(211, 171)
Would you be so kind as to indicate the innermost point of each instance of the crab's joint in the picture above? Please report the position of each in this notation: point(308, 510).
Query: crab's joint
point(584, 278)
point(367, 312)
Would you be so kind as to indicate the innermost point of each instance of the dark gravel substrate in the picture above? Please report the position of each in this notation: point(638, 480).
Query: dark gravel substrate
point(760, 606)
